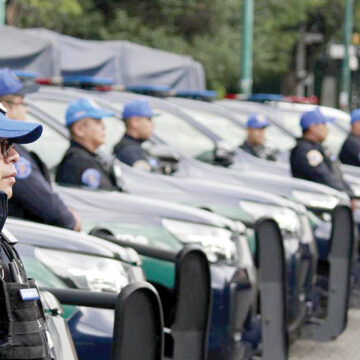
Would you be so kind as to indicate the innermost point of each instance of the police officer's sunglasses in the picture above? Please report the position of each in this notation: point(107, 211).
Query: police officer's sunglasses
point(6, 146)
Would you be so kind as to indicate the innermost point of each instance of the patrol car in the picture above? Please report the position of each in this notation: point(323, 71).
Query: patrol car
point(57, 103)
point(59, 258)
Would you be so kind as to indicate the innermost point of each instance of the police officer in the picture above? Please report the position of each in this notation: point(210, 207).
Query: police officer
point(33, 199)
point(350, 151)
point(22, 322)
point(310, 161)
point(80, 165)
point(254, 143)
point(137, 115)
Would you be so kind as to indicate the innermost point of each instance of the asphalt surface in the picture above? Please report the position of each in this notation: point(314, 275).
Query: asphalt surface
point(345, 347)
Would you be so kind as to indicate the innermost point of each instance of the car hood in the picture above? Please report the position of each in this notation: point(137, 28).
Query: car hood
point(31, 233)
point(126, 206)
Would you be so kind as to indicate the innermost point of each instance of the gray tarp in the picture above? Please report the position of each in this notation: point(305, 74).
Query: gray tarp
point(126, 63)
point(80, 57)
point(24, 51)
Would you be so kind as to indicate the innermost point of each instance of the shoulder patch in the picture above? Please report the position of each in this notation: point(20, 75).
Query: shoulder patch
point(314, 157)
point(91, 178)
point(23, 168)
point(153, 162)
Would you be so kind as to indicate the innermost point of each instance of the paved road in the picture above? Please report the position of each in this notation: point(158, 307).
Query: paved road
point(345, 347)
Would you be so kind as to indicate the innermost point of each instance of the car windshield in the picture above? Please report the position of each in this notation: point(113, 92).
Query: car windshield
point(276, 138)
point(336, 135)
point(220, 125)
point(115, 128)
point(177, 132)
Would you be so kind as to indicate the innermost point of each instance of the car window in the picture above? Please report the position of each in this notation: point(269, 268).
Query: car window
point(336, 136)
point(276, 138)
point(115, 127)
point(291, 121)
point(53, 107)
point(177, 132)
point(50, 147)
point(220, 125)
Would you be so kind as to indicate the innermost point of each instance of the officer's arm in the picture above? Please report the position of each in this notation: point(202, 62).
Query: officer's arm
point(36, 196)
point(350, 153)
point(317, 170)
point(131, 154)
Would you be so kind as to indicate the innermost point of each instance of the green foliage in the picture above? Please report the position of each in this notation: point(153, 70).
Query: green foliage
point(207, 30)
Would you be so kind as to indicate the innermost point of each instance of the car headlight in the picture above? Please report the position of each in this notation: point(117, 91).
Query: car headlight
point(217, 242)
point(85, 271)
point(287, 219)
point(356, 189)
point(307, 233)
point(315, 200)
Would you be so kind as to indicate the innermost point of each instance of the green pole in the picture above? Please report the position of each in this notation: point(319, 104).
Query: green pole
point(2, 12)
point(247, 47)
point(344, 100)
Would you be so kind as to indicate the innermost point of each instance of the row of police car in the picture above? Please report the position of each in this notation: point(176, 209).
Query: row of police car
point(242, 258)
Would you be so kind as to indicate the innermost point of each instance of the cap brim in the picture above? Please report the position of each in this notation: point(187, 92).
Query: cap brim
point(258, 126)
point(28, 88)
point(99, 113)
point(20, 132)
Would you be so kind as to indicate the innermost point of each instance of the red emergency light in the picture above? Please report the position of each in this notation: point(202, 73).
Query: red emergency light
point(313, 100)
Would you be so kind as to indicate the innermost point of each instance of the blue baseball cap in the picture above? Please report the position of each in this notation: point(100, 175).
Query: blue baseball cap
point(257, 121)
point(314, 117)
point(355, 115)
point(10, 84)
point(18, 131)
point(137, 107)
point(85, 108)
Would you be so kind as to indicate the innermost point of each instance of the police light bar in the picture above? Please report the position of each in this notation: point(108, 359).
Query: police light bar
point(265, 97)
point(205, 95)
point(152, 90)
point(80, 80)
point(25, 75)
point(236, 96)
point(83, 82)
point(313, 100)
point(56, 81)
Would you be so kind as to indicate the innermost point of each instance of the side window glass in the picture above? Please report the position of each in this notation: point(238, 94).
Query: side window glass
point(50, 147)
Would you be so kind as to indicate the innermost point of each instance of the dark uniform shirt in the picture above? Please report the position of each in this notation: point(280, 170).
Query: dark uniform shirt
point(82, 168)
point(259, 151)
point(33, 197)
point(350, 151)
point(309, 161)
point(129, 151)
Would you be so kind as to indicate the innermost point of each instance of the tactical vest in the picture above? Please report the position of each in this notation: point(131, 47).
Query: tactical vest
point(22, 321)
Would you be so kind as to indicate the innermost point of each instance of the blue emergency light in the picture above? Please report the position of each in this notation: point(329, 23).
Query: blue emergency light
point(265, 97)
point(153, 90)
point(85, 80)
point(25, 75)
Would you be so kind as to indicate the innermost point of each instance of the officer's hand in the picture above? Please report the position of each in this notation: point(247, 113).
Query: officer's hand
point(78, 223)
point(354, 204)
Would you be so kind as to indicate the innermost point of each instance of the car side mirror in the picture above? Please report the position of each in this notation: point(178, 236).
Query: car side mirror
point(224, 153)
point(166, 156)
